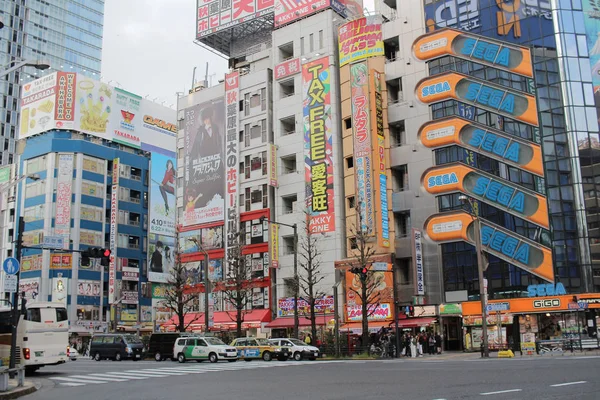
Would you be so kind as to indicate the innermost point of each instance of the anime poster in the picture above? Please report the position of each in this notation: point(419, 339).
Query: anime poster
point(204, 163)
point(161, 259)
point(163, 198)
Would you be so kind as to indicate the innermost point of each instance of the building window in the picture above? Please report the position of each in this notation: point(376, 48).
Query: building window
point(320, 39)
point(288, 245)
point(311, 41)
point(255, 132)
point(247, 135)
point(349, 162)
point(248, 199)
point(348, 123)
point(265, 163)
point(402, 220)
point(288, 203)
point(286, 51)
point(265, 195)
point(288, 164)
point(288, 125)
point(400, 178)
point(351, 202)
point(246, 104)
point(398, 134)
point(287, 88)
point(263, 130)
point(352, 243)
point(263, 99)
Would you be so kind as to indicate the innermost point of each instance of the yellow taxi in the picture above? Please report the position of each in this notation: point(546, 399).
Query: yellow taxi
point(255, 348)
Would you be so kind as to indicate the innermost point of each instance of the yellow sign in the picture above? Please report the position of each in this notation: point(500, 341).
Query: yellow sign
point(274, 245)
point(60, 261)
point(360, 39)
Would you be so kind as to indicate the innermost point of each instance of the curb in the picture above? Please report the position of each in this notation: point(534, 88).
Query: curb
point(16, 393)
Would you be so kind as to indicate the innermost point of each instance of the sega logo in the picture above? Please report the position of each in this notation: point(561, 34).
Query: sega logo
point(486, 51)
point(501, 194)
point(435, 89)
point(442, 180)
point(495, 144)
point(549, 303)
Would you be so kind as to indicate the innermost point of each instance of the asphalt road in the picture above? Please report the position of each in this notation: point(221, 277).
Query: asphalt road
point(427, 379)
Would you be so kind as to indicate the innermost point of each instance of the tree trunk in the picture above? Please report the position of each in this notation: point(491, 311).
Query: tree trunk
point(238, 322)
point(180, 313)
point(313, 320)
point(365, 317)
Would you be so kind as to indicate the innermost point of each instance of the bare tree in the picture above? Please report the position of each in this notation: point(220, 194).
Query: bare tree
point(177, 299)
point(361, 260)
point(310, 275)
point(237, 285)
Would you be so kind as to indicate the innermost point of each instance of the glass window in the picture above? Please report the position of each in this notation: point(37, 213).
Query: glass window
point(61, 314)
point(33, 315)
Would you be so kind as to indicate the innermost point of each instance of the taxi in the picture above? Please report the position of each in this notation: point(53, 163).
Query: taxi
point(255, 348)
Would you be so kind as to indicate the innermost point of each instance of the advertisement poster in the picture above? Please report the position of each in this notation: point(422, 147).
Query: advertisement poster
point(215, 270)
point(64, 113)
point(31, 288)
point(94, 106)
point(287, 68)
point(64, 189)
point(274, 245)
point(37, 106)
point(161, 260)
point(125, 118)
point(379, 154)
point(60, 261)
point(287, 11)
point(214, 16)
point(88, 288)
point(204, 163)
point(232, 183)
point(360, 39)
point(419, 271)
point(273, 165)
point(379, 312)
point(592, 31)
point(318, 148)
point(163, 200)
point(285, 306)
point(383, 291)
point(361, 133)
point(114, 213)
point(59, 290)
point(31, 263)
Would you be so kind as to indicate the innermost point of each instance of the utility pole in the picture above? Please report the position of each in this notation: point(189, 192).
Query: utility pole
point(16, 315)
point(482, 288)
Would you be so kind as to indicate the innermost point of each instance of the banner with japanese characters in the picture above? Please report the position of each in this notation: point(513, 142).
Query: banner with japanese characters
point(318, 146)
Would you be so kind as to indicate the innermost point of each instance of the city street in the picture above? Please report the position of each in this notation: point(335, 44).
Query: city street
point(427, 379)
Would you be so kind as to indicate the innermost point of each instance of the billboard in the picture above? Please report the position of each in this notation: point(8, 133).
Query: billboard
point(318, 145)
point(514, 21)
point(38, 100)
point(491, 97)
point(379, 154)
point(204, 163)
point(383, 292)
point(503, 243)
point(114, 223)
point(490, 142)
point(232, 180)
point(287, 68)
point(216, 15)
point(361, 134)
point(161, 257)
point(488, 188)
point(419, 271)
point(73, 101)
point(471, 47)
point(274, 243)
point(287, 11)
point(591, 18)
point(64, 190)
point(272, 165)
point(31, 288)
point(163, 201)
point(88, 288)
point(323, 305)
point(359, 39)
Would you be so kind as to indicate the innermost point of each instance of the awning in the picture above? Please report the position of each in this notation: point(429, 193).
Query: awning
point(415, 322)
point(223, 320)
point(288, 322)
point(356, 327)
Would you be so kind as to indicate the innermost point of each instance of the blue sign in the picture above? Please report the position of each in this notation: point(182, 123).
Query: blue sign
point(546, 290)
point(514, 21)
point(53, 242)
point(496, 307)
point(10, 266)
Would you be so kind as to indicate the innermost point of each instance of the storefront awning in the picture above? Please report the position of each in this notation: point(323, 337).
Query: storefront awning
point(288, 322)
point(223, 320)
point(415, 322)
point(374, 326)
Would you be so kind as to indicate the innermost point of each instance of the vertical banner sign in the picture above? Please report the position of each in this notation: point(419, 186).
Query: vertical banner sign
point(361, 132)
point(114, 212)
point(64, 190)
point(272, 165)
point(379, 156)
point(318, 152)
point(64, 113)
point(418, 262)
point(232, 81)
point(274, 246)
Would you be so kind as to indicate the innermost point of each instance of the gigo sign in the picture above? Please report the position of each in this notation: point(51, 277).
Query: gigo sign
point(491, 97)
point(492, 143)
point(557, 289)
point(480, 49)
point(505, 195)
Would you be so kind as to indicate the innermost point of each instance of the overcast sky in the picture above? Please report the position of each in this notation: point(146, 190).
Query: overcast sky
point(148, 48)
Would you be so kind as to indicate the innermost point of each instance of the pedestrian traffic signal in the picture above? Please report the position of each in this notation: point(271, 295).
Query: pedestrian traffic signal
point(363, 274)
point(105, 259)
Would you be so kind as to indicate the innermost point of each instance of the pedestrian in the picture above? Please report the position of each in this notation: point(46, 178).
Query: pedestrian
point(438, 343)
point(308, 340)
point(407, 344)
point(431, 344)
point(421, 344)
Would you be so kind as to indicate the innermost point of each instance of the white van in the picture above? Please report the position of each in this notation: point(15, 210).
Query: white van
point(203, 348)
point(297, 348)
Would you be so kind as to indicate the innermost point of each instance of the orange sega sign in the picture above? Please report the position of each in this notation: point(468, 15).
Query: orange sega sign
point(476, 48)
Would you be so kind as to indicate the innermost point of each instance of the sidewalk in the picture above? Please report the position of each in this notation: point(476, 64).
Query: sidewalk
point(15, 392)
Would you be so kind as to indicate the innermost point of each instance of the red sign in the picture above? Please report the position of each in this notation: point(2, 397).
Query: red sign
point(287, 68)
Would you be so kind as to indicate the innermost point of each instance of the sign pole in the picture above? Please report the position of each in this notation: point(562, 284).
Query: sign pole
point(16, 316)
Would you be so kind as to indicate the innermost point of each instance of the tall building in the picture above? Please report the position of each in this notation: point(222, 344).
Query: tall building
point(105, 159)
point(67, 35)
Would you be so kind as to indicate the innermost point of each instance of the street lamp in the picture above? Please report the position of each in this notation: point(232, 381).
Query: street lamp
point(37, 64)
point(296, 282)
point(206, 282)
point(481, 267)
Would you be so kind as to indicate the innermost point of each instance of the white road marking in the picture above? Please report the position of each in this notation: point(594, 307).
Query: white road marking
point(103, 377)
point(128, 376)
point(72, 384)
point(568, 383)
point(78, 380)
point(501, 391)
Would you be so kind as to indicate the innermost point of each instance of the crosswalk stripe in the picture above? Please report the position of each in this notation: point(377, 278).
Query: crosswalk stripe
point(187, 371)
point(103, 377)
point(75, 380)
point(151, 372)
point(128, 376)
point(71, 384)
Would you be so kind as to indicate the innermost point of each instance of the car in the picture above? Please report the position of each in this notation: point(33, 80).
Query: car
point(117, 346)
point(160, 345)
point(203, 348)
point(72, 353)
point(255, 348)
point(298, 349)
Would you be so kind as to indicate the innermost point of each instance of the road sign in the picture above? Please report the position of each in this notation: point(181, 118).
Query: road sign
point(380, 266)
point(495, 307)
point(10, 283)
point(53, 242)
point(11, 266)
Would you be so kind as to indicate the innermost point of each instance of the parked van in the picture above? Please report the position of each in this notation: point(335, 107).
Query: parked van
point(161, 345)
point(116, 347)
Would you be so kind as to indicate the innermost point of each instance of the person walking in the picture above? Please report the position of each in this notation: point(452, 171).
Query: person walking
point(438, 343)
point(308, 340)
point(431, 340)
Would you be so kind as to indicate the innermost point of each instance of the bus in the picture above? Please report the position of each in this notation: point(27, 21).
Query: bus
point(42, 335)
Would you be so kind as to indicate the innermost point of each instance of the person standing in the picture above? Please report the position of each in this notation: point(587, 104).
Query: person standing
point(308, 339)
point(431, 340)
point(438, 343)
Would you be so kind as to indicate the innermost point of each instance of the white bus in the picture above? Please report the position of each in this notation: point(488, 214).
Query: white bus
point(42, 336)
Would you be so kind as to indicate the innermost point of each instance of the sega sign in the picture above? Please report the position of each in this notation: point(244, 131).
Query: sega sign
point(504, 20)
point(546, 290)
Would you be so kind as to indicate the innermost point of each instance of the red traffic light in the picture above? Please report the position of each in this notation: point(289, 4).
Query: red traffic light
point(365, 270)
point(106, 253)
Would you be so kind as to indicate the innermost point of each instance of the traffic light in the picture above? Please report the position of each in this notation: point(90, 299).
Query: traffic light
point(363, 274)
point(97, 253)
point(105, 259)
point(410, 311)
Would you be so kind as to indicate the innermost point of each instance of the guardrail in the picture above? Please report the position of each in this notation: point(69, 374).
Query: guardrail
point(4, 375)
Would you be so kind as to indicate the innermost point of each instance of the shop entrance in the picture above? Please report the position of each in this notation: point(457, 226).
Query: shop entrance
point(452, 333)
